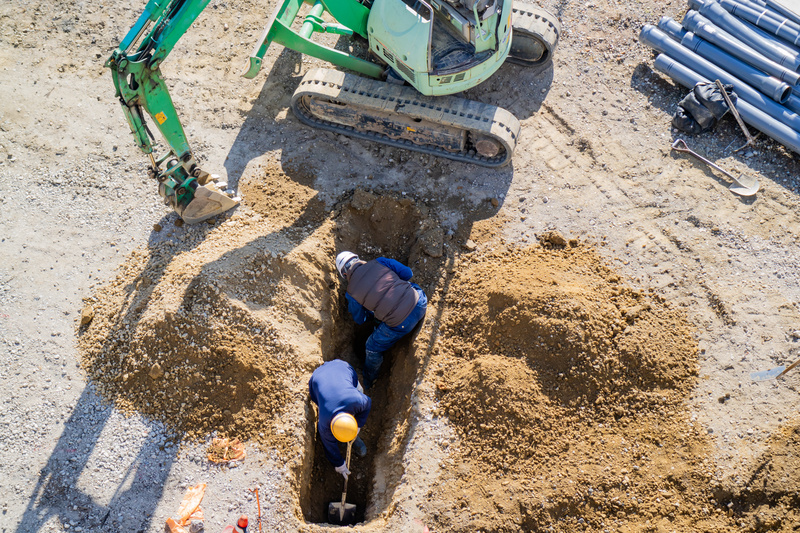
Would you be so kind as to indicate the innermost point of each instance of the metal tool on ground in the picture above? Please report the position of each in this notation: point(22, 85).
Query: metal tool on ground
point(743, 185)
point(750, 138)
point(342, 513)
point(773, 373)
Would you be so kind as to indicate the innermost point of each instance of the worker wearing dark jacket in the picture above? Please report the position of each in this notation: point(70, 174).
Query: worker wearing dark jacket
point(381, 289)
point(343, 409)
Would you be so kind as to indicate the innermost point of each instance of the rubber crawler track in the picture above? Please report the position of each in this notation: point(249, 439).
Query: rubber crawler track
point(380, 97)
point(535, 23)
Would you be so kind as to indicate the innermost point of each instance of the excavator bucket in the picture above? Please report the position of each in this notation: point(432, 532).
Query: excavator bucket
point(206, 203)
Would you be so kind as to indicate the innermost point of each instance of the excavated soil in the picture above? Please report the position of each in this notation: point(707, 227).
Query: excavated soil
point(211, 329)
point(559, 390)
point(566, 388)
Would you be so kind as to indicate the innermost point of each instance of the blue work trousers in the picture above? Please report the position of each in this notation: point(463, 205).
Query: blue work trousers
point(384, 337)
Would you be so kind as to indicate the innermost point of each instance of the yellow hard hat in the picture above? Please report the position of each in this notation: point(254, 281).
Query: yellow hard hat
point(344, 427)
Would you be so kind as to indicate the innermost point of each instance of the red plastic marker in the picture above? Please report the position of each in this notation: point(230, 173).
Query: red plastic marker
point(240, 527)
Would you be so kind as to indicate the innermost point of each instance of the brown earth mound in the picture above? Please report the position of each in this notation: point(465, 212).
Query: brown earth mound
point(566, 388)
point(591, 341)
point(212, 329)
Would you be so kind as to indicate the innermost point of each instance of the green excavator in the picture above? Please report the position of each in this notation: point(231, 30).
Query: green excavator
point(421, 53)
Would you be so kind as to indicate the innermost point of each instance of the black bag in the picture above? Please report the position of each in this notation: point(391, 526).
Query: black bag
point(702, 108)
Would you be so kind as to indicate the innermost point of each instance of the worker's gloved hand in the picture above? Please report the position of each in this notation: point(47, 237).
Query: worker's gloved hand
point(343, 470)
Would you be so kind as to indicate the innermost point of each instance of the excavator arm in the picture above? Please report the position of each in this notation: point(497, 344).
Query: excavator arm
point(140, 87)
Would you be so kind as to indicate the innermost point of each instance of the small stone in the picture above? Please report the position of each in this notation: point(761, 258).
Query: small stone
point(433, 242)
point(796, 334)
point(155, 371)
point(494, 202)
point(362, 200)
point(156, 227)
point(470, 245)
point(87, 314)
point(553, 238)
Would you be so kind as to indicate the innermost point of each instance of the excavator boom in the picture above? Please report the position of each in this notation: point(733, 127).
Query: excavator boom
point(140, 87)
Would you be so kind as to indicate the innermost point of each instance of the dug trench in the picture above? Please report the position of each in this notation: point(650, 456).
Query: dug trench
point(374, 226)
point(542, 392)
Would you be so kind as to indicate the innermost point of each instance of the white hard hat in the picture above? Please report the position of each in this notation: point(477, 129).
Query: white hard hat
point(343, 262)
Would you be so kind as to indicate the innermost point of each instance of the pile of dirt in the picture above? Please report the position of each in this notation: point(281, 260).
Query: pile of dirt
point(566, 388)
point(592, 341)
point(212, 330)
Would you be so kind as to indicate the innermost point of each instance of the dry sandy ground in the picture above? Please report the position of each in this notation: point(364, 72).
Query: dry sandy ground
point(691, 444)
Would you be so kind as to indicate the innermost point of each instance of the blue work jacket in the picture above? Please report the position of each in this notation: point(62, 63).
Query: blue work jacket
point(334, 388)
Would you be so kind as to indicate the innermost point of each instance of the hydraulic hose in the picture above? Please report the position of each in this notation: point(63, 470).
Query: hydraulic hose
point(752, 115)
point(702, 27)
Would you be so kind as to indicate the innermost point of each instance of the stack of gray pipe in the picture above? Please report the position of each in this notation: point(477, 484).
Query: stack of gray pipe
point(753, 45)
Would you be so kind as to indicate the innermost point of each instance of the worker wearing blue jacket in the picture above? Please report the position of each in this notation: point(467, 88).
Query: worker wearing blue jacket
point(343, 409)
point(381, 289)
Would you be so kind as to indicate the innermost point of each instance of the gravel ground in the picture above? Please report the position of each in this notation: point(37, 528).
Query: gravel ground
point(593, 162)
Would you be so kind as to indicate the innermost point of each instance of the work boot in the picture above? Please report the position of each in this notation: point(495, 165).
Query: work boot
point(359, 447)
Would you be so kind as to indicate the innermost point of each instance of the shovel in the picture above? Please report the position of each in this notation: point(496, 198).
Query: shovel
point(772, 373)
point(743, 185)
point(341, 513)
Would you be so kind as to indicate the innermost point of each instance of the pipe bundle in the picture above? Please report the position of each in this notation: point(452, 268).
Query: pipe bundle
point(753, 45)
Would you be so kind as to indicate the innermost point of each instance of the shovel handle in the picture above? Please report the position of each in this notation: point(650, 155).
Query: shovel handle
point(788, 368)
point(735, 112)
point(681, 146)
point(347, 463)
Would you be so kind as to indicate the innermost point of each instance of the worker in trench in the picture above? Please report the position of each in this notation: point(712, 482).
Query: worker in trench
point(381, 289)
point(343, 409)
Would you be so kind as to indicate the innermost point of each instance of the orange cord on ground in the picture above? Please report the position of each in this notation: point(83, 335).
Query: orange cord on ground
point(258, 501)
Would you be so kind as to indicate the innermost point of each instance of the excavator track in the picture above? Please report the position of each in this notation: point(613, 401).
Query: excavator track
point(445, 126)
point(534, 35)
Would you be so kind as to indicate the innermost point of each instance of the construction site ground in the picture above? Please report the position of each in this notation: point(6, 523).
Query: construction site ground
point(596, 307)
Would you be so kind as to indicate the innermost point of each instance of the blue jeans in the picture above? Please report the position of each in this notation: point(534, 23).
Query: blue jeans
point(384, 337)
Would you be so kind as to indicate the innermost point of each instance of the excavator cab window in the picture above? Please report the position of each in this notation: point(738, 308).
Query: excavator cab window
point(421, 8)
